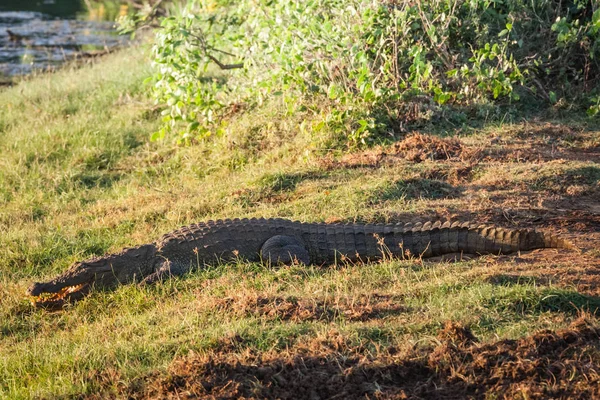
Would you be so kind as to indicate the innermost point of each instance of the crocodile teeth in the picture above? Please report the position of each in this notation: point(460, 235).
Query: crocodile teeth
point(58, 296)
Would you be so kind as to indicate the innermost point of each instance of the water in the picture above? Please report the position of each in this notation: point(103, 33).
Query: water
point(41, 34)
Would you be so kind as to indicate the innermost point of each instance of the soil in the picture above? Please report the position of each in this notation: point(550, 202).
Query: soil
point(560, 365)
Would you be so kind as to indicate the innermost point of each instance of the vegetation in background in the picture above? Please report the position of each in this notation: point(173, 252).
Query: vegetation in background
point(368, 68)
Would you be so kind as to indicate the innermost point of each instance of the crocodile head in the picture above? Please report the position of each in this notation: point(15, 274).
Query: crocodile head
point(72, 285)
point(50, 299)
point(100, 273)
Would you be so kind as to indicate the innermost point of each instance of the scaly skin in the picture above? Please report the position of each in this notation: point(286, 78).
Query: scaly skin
point(281, 241)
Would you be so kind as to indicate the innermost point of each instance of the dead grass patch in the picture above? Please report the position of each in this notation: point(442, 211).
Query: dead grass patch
point(527, 143)
point(548, 364)
point(415, 147)
point(565, 269)
point(418, 147)
point(532, 151)
point(302, 309)
point(542, 142)
point(547, 131)
point(454, 174)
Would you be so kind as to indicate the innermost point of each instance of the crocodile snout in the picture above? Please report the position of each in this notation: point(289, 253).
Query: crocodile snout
point(52, 296)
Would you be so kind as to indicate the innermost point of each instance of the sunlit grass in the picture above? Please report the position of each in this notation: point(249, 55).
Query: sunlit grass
point(79, 177)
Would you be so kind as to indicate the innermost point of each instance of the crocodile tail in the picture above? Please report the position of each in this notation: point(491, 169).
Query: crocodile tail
point(544, 240)
point(489, 240)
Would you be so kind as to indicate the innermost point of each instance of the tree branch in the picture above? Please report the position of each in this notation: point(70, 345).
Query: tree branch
point(206, 48)
point(224, 66)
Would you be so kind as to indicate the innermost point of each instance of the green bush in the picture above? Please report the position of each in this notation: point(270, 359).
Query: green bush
point(366, 67)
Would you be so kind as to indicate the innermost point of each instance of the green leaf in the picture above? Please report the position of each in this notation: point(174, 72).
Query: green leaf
point(497, 89)
point(333, 91)
point(158, 135)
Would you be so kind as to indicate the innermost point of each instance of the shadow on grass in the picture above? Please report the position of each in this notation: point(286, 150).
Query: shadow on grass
point(414, 189)
point(89, 180)
point(532, 301)
point(101, 180)
point(287, 182)
point(276, 187)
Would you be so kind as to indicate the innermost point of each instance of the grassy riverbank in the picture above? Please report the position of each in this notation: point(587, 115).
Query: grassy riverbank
point(79, 177)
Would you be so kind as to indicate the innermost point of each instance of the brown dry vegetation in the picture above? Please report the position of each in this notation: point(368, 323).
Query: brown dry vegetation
point(527, 143)
point(561, 364)
point(294, 309)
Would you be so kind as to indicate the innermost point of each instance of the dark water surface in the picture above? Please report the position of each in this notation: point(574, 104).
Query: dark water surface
point(41, 34)
point(66, 9)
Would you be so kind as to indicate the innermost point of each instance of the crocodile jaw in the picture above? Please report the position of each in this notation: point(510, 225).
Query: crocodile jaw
point(56, 298)
point(129, 265)
point(72, 285)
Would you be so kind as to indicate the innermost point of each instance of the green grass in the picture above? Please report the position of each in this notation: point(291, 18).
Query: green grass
point(79, 177)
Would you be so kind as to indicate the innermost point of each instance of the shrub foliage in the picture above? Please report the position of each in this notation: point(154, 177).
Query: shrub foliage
point(366, 68)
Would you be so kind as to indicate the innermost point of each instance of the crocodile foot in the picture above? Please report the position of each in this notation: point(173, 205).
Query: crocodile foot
point(286, 250)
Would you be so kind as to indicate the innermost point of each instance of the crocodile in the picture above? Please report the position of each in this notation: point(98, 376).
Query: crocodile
point(280, 241)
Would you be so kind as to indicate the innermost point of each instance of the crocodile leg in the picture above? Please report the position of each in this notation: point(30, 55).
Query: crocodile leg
point(282, 249)
point(164, 271)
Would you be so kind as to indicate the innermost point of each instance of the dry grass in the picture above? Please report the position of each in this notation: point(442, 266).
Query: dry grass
point(559, 364)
